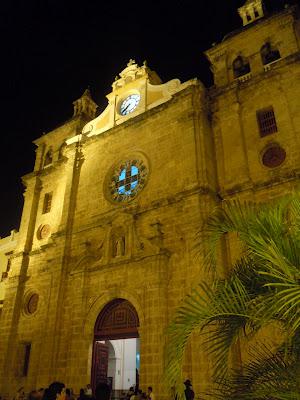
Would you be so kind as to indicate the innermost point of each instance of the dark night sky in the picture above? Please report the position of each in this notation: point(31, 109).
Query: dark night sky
point(53, 49)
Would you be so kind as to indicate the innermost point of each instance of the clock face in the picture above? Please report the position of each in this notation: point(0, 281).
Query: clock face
point(129, 104)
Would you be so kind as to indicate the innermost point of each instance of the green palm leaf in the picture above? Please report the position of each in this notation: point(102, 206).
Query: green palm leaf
point(267, 376)
point(219, 313)
point(263, 286)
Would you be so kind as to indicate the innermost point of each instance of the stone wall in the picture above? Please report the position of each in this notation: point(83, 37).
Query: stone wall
point(198, 147)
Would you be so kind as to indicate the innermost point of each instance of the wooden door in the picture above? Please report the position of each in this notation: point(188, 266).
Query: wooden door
point(100, 364)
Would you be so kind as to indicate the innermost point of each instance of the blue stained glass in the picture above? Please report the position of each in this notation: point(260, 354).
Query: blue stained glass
point(134, 170)
point(122, 175)
point(134, 184)
point(127, 180)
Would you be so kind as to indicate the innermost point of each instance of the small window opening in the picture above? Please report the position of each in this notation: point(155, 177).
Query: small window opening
point(248, 16)
point(266, 121)
point(47, 202)
point(240, 67)
point(27, 349)
point(256, 13)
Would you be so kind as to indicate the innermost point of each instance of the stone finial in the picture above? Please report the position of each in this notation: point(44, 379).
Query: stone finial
point(131, 62)
point(133, 72)
point(85, 105)
point(251, 11)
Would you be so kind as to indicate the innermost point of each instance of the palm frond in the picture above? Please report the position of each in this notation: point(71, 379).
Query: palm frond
point(264, 285)
point(222, 309)
point(258, 225)
point(267, 376)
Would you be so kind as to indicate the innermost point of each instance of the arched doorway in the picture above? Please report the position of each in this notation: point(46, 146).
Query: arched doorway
point(116, 346)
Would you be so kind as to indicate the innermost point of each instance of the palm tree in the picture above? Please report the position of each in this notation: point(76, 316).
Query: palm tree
point(261, 289)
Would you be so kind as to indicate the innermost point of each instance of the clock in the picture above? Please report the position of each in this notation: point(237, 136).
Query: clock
point(129, 104)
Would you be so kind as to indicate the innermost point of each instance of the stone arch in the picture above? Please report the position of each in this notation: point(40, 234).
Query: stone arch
point(240, 66)
point(99, 304)
point(269, 53)
point(94, 311)
point(118, 319)
point(112, 316)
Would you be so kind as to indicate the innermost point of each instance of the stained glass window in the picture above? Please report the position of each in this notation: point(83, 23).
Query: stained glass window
point(128, 179)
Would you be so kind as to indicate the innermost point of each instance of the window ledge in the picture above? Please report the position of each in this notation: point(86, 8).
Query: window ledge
point(267, 67)
point(244, 78)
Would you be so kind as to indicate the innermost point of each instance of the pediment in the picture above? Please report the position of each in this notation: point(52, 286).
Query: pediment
point(134, 80)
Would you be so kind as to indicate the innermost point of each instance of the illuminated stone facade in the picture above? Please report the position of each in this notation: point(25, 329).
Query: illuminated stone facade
point(88, 236)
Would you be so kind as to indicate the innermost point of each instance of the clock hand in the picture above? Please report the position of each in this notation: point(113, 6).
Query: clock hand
point(124, 109)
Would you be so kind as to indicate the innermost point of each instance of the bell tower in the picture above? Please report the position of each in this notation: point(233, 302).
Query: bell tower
point(251, 11)
point(85, 105)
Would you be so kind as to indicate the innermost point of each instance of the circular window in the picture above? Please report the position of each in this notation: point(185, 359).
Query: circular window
point(273, 156)
point(43, 231)
point(127, 180)
point(32, 304)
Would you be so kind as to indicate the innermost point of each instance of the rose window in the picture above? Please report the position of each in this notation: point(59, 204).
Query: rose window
point(127, 180)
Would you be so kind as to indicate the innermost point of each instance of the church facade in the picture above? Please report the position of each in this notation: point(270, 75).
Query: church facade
point(105, 249)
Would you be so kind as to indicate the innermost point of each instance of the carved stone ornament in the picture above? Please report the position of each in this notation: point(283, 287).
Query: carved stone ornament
point(31, 304)
point(44, 231)
point(273, 156)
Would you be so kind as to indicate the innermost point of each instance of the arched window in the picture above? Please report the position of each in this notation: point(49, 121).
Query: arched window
point(256, 13)
point(240, 67)
point(48, 158)
point(269, 54)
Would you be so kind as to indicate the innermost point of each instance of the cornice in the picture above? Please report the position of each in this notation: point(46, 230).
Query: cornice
point(289, 177)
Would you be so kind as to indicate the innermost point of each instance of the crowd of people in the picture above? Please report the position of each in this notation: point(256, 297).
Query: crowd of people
point(58, 391)
point(138, 394)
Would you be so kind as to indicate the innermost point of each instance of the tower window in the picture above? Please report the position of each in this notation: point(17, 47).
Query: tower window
point(269, 54)
point(240, 67)
point(47, 203)
point(266, 121)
